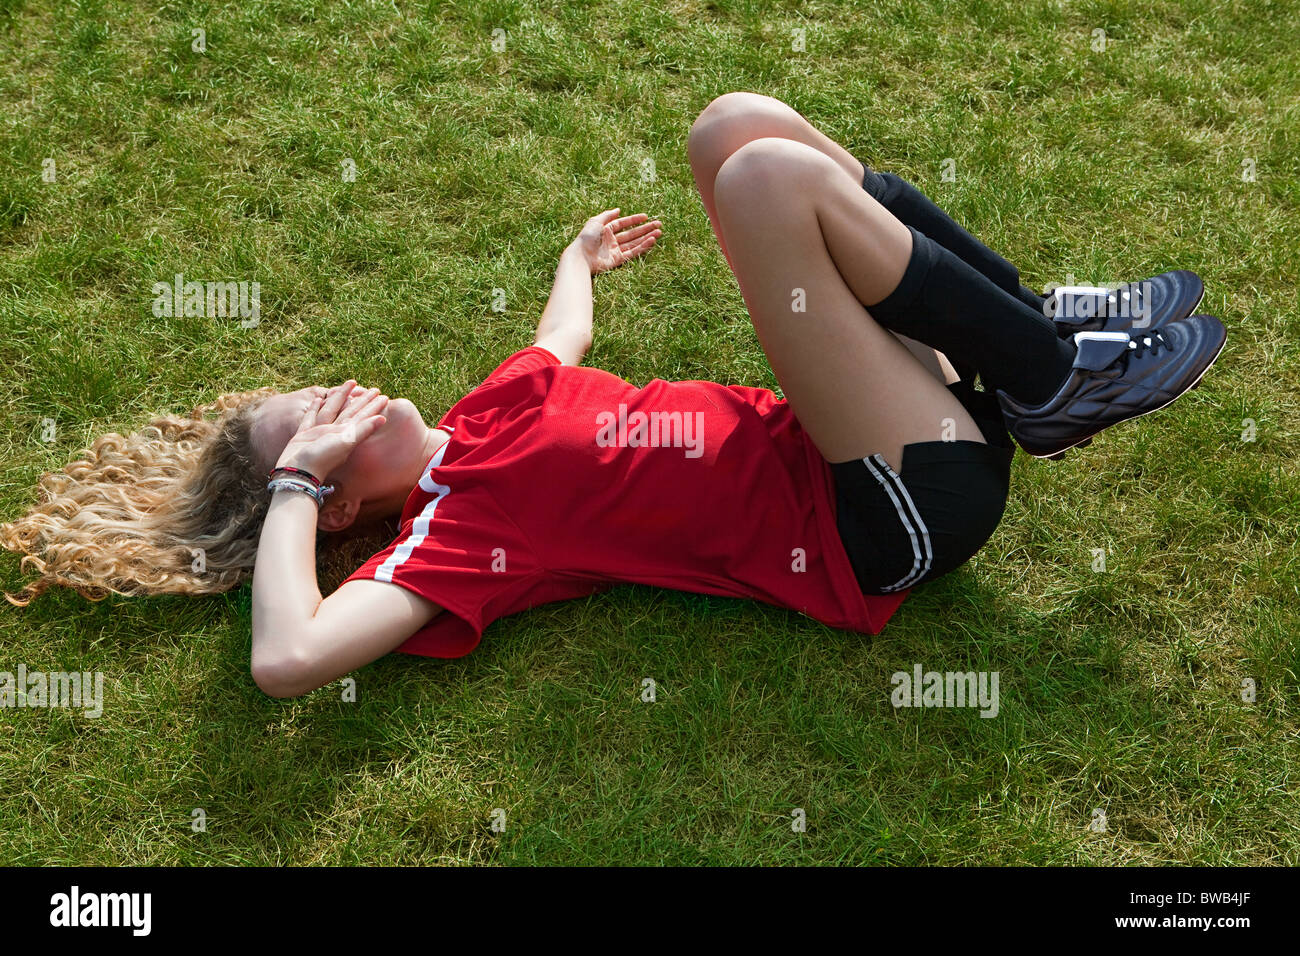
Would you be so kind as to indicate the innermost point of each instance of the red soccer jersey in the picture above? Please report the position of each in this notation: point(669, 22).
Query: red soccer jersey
point(560, 481)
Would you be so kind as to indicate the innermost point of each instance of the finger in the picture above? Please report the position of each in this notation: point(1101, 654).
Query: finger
point(356, 395)
point(368, 426)
point(349, 410)
point(642, 246)
point(372, 403)
point(644, 242)
point(632, 234)
point(333, 401)
point(629, 234)
point(347, 396)
point(606, 216)
point(338, 395)
point(642, 234)
point(629, 221)
point(376, 405)
point(309, 416)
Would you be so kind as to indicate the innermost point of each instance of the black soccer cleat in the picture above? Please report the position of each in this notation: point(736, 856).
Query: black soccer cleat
point(1146, 304)
point(1116, 376)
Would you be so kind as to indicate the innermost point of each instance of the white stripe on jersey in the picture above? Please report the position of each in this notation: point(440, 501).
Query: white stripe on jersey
point(420, 526)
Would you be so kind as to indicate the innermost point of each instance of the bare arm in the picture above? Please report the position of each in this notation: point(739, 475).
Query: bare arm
point(605, 242)
point(301, 641)
point(565, 328)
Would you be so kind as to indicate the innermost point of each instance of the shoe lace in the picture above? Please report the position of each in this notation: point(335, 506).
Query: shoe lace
point(1150, 340)
point(1128, 300)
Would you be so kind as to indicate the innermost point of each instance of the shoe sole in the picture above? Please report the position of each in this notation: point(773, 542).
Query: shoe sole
point(1083, 442)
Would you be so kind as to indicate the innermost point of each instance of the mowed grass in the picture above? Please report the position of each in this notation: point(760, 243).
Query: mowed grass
point(1121, 690)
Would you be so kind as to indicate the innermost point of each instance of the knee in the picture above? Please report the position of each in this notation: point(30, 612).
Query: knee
point(769, 167)
point(730, 108)
point(730, 121)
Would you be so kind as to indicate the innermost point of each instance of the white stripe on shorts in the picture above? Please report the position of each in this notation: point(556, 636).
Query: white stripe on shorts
point(922, 551)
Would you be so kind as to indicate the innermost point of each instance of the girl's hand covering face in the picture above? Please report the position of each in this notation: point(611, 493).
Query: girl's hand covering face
point(607, 241)
point(332, 427)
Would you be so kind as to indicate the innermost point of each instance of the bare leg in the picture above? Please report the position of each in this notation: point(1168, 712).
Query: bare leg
point(791, 221)
point(734, 119)
point(934, 361)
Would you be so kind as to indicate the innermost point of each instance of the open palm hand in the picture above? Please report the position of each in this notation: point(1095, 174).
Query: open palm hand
point(607, 240)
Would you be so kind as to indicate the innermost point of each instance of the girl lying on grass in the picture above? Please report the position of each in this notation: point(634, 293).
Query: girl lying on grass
point(883, 467)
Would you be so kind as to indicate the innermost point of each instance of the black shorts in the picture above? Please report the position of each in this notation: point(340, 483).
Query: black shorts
point(902, 528)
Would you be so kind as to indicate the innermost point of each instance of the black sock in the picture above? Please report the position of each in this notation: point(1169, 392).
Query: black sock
point(913, 208)
point(945, 303)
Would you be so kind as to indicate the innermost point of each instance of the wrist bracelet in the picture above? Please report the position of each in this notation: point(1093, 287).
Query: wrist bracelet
point(295, 471)
point(297, 484)
point(294, 484)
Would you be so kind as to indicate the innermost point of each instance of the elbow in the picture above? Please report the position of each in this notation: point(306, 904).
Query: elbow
point(284, 675)
point(579, 346)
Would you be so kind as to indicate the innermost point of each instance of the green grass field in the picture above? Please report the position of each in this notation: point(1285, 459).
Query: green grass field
point(1177, 146)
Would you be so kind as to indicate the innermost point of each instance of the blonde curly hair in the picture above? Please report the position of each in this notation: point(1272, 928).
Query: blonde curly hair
point(175, 508)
